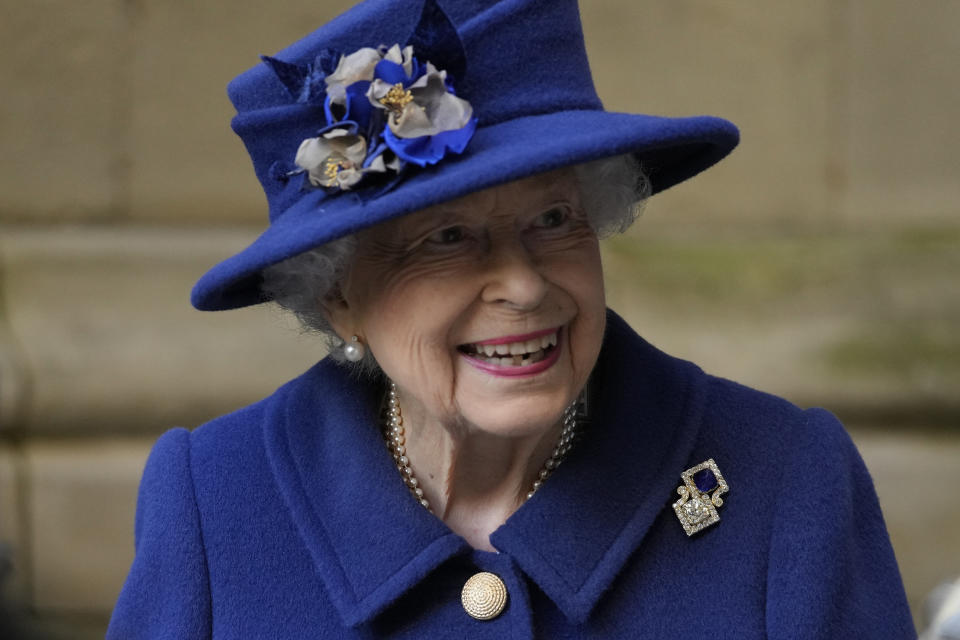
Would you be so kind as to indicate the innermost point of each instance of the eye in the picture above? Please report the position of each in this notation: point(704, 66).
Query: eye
point(448, 235)
point(552, 218)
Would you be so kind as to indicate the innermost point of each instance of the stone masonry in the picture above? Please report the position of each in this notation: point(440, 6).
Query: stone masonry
point(830, 232)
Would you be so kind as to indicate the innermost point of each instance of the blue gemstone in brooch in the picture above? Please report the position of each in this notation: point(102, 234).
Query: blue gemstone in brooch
point(700, 496)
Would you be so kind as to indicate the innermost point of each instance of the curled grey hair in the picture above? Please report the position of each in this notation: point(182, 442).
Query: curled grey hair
point(613, 192)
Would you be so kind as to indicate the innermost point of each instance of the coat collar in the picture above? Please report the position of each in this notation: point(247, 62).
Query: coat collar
point(371, 542)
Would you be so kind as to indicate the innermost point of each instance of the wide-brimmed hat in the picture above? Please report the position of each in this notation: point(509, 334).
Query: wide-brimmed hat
point(397, 105)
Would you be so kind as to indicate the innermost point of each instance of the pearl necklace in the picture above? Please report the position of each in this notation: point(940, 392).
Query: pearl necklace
point(395, 437)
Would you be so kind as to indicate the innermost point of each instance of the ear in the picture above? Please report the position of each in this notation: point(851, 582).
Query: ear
point(339, 313)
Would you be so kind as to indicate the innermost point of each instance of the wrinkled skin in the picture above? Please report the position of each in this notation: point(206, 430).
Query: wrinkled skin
point(507, 261)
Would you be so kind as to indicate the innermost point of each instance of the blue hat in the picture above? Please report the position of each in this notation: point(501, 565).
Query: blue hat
point(395, 106)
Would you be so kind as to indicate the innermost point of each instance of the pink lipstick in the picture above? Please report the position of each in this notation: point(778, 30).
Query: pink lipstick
point(515, 356)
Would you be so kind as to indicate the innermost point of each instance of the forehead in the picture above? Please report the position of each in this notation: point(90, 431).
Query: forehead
point(541, 189)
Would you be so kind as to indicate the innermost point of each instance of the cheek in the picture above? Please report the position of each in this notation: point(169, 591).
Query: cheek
point(590, 282)
point(412, 352)
point(405, 328)
point(579, 272)
point(414, 309)
point(407, 322)
point(583, 282)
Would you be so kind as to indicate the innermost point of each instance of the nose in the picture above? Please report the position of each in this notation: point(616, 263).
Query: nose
point(513, 277)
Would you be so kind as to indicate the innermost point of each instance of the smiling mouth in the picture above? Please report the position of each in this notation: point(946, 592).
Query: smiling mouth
point(513, 354)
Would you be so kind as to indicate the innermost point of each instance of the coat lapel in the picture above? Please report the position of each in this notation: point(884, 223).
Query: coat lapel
point(370, 540)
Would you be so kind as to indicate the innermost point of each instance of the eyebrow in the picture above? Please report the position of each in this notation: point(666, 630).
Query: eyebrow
point(553, 193)
point(415, 226)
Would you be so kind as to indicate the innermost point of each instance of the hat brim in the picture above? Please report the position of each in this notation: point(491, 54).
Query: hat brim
point(670, 150)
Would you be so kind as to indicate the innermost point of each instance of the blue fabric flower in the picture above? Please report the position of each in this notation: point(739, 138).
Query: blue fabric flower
point(351, 105)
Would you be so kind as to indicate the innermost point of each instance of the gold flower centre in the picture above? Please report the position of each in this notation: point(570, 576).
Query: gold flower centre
point(333, 167)
point(397, 98)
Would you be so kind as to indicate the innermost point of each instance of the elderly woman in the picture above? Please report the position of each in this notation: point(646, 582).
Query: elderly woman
point(488, 451)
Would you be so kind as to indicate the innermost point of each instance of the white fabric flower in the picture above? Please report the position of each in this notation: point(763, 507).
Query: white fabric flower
point(402, 57)
point(425, 108)
point(335, 159)
point(355, 67)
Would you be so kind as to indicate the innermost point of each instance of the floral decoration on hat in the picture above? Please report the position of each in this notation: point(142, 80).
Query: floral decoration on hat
point(385, 109)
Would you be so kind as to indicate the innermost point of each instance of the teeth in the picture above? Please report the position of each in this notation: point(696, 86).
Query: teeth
point(512, 354)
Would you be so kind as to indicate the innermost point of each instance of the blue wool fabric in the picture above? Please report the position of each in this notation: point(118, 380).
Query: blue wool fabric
point(288, 519)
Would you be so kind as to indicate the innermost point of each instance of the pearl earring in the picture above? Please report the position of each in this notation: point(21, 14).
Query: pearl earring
point(353, 350)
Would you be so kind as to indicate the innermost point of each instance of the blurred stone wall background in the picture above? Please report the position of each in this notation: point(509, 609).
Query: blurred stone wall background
point(819, 261)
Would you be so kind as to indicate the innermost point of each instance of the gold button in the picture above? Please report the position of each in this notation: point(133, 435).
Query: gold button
point(484, 596)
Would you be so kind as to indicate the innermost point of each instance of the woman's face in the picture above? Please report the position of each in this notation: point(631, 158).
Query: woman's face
point(513, 271)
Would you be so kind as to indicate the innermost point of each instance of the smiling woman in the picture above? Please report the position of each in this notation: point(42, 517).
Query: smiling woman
point(488, 451)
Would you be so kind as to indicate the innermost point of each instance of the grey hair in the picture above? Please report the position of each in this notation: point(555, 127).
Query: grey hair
point(613, 192)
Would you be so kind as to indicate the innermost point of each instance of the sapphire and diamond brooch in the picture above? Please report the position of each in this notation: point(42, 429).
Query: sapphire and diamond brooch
point(700, 498)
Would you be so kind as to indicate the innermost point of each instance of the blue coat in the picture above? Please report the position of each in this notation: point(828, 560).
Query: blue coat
point(288, 519)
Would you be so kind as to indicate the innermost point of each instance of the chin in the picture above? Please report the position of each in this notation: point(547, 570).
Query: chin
point(519, 416)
